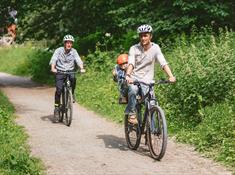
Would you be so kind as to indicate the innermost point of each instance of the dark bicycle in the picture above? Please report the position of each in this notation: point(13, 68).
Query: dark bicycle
point(66, 101)
point(151, 122)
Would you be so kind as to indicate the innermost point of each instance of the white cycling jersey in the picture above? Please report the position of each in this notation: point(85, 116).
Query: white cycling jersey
point(143, 61)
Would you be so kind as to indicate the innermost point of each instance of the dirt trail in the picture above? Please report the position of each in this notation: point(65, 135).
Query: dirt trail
point(92, 145)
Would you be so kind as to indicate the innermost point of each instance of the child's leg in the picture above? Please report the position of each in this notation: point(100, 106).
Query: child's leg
point(123, 94)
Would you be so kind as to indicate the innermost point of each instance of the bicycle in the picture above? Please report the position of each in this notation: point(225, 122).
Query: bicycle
point(152, 123)
point(66, 101)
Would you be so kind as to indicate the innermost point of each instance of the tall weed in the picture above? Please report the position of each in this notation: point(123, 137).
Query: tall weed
point(205, 69)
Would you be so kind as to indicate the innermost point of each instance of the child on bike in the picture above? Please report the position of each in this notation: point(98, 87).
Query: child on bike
point(119, 73)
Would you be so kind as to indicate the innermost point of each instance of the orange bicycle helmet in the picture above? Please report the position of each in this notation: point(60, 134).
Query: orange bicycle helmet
point(123, 58)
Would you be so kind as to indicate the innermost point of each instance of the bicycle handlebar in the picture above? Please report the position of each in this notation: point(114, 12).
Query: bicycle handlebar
point(162, 81)
point(136, 82)
point(66, 72)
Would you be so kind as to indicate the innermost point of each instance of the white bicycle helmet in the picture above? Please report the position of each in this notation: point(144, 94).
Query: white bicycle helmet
point(144, 28)
point(68, 38)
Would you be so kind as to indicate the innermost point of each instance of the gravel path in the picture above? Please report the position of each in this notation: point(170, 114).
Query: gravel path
point(91, 145)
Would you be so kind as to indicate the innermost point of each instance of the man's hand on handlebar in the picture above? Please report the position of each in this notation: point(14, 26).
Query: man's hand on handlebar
point(172, 79)
point(82, 70)
point(129, 79)
point(54, 70)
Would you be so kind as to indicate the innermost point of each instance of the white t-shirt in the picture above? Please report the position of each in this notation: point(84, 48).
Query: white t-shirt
point(143, 61)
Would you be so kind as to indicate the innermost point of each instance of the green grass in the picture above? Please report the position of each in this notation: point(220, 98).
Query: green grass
point(99, 94)
point(15, 158)
point(14, 59)
point(214, 136)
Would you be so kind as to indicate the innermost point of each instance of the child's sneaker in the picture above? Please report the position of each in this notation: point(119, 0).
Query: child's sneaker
point(133, 119)
point(122, 100)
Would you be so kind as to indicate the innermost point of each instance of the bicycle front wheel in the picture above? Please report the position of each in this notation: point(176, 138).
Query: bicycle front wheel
point(69, 108)
point(61, 111)
point(157, 132)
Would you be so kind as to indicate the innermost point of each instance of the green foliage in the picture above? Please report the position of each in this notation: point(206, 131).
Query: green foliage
point(128, 39)
point(215, 134)
point(97, 91)
point(39, 69)
point(87, 43)
point(89, 21)
point(204, 66)
point(15, 157)
point(14, 62)
point(98, 83)
point(101, 61)
point(5, 105)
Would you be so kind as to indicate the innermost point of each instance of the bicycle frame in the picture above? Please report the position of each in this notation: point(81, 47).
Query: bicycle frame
point(66, 88)
point(146, 99)
point(66, 100)
point(151, 122)
point(67, 82)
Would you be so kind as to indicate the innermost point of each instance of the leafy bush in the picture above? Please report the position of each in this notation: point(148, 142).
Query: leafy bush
point(96, 89)
point(101, 61)
point(128, 39)
point(14, 62)
point(87, 43)
point(216, 133)
point(38, 64)
point(205, 69)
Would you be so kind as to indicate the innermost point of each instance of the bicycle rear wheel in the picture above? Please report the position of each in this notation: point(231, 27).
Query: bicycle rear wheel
point(132, 134)
point(157, 132)
point(68, 108)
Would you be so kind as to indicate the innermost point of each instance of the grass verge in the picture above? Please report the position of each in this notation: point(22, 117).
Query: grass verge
point(15, 155)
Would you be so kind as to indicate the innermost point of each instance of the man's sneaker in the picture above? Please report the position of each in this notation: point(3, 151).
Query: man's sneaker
point(122, 100)
point(56, 114)
point(74, 98)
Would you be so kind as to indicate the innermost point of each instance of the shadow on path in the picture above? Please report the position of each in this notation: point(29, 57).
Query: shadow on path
point(114, 142)
point(48, 118)
point(16, 81)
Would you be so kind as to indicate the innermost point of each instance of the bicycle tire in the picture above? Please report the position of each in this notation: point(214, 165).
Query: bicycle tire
point(61, 116)
point(61, 111)
point(157, 132)
point(132, 134)
point(68, 108)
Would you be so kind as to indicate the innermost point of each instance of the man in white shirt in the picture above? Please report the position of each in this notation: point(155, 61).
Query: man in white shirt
point(142, 58)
